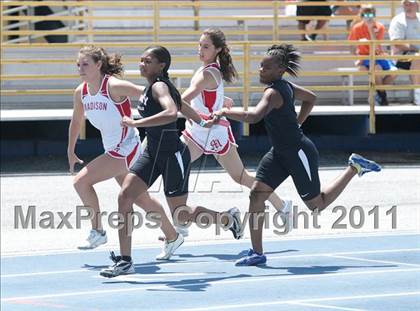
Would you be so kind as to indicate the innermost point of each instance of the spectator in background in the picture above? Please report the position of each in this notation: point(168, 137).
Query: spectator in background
point(369, 29)
point(406, 26)
point(339, 10)
point(312, 11)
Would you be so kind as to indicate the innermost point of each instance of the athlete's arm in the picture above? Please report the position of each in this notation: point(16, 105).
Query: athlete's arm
point(74, 128)
point(204, 80)
point(120, 89)
point(271, 99)
point(161, 94)
point(191, 114)
point(308, 99)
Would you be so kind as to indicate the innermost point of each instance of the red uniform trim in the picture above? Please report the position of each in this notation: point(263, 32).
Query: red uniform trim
point(84, 89)
point(131, 155)
point(104, 87)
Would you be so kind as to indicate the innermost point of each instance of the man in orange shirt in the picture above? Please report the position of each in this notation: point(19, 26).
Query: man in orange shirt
point(370, 29)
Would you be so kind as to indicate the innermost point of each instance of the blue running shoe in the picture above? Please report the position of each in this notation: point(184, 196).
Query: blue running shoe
point(252, 259)
point(363, 165)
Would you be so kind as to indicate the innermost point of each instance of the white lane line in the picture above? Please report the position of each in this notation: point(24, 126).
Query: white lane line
point(151, 277)
point(307, 304)
point(33, 253)
point(271, 258)
point(280, 302)
point(229, 280)
point(377, 261)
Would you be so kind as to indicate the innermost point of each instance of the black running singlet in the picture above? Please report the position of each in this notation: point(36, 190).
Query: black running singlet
point(281, 124)
point(163, 137)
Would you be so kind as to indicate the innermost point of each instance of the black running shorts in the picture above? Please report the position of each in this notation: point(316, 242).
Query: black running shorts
point(173, 166)
point(301, 164)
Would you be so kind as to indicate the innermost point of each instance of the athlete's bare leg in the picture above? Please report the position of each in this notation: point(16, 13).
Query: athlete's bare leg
point(132, 188)
point(259, 193)
point(189, 214)
point(195, 151)
point(151, 205)
point(232, 163)
point(101, 168)
point(330, 192)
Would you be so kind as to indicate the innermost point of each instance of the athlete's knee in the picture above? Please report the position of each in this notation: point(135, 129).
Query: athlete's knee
point(257, 196)
point(125, 200)
point(311, 206)
point(317, 203)
point(80, 182)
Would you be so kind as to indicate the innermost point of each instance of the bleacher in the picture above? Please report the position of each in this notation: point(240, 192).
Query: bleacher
point(38, 77)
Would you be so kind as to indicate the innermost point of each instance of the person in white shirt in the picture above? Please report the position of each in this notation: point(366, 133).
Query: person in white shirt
point(406, 26)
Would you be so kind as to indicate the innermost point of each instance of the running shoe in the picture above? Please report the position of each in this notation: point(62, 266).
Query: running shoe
point(252, 259)
point(94, 239)
point(170, 247)
point(363, 165)
point(120, 267)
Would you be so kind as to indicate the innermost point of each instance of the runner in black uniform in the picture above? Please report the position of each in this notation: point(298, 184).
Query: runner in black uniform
point(164, 155)
point(292, 152)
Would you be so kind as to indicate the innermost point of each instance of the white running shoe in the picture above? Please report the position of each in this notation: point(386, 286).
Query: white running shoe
point(120, 267)
point(286, 215)
point(170, 247)
point(182, 230)
point(236, 228)
point(94, 239)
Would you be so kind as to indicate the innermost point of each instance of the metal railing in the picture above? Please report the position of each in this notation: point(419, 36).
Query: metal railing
point(275, 15)
point(246, 50)
point(247, 59)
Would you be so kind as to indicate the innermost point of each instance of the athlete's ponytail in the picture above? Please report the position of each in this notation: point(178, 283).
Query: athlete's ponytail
point(163, 56)
point(218, 39)
point(286, 56)
point(111, 64)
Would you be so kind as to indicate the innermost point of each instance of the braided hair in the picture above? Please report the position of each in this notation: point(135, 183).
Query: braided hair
point(287, 56)
point(218, 39)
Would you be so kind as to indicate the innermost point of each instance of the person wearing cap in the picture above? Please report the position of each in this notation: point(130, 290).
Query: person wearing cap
point(406, 26)
point(370, 29)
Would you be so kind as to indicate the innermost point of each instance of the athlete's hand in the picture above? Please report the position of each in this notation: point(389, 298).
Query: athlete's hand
point(127, 121)
point(73, 159)
point(227, 102)
point(216, 115)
